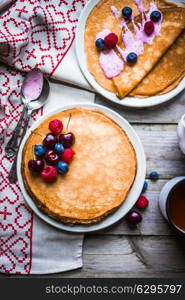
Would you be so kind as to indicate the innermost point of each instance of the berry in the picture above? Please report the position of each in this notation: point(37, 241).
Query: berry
point(100, 44)
point(49, 173)
point(62, 167)
point(111, 40)
point(56, 126)
point(36, 166)
point(126, 12)
point(50, 141)
point(145, 186)
point(39, 150)
point(142, 202)
point(131, 58)
point(59, 148)
point(67, 155)
point(51, 157)
point(67, 139)
point(155, 16)
point(133, 217)
point(149, 28)
point(154, 175)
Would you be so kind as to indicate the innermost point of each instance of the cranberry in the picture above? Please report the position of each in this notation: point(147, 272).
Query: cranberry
point(133, 217)
point(36, 166)
point(50, 141)
point(51, 157)
point(111, 40)
point(67, 155)
point(49, 173)
point(67, 139)
point(142, 202)
point(56, 126)
point(149, 27)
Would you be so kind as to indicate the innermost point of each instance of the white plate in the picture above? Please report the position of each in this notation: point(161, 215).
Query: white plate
point(133, 194)
point(128, 101)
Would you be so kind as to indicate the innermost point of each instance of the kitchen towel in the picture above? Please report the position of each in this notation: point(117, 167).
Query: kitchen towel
point(31, 35)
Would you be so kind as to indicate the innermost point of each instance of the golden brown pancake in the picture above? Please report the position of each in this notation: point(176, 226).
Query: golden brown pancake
point(101, 18)
point(99, 177)
point(167, 74)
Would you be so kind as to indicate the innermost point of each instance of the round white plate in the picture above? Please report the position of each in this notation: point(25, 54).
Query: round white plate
point(127, 101)
point(133, 194)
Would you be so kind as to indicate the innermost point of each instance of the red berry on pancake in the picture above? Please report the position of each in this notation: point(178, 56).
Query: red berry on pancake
point(149, 27)
point(111, 40)
point(142, 202)
point(67, 155)
point(56, 126)
point(49, 173)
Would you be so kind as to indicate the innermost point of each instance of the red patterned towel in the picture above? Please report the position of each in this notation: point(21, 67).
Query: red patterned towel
point(33, 33)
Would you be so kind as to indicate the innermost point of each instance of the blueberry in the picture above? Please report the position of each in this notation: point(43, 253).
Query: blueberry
point(145, 186)
point(126, 12)
point(100, 44)
point(59, 148)
point(131, 58)
point(154, 175)
point(62, 167)
point(155, 16)
point(39, 150)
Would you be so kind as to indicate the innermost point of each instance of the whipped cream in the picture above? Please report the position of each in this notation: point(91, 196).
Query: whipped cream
point(115, 12)
point(109, 61)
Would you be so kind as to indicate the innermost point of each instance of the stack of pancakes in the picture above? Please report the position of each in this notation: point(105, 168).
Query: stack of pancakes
point(100, 175)
point(159, 69)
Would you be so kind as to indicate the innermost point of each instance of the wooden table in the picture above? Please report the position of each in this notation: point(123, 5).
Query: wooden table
point(120, 251)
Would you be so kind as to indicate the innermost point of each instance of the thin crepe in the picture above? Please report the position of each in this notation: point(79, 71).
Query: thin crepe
point(97, 23)
point(167, 74)
point(101, 18)
point(172, 26)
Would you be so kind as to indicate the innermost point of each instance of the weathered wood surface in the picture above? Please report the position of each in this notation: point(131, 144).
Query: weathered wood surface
point(169, 112)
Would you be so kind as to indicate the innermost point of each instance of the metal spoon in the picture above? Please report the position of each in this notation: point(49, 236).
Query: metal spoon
point(11, 147)
point(30, 107)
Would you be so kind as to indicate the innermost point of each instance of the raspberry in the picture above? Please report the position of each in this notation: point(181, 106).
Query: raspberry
point(111, 40)
point(56, 126)
point(67, 155)
point(149, 27)
point(49, 173)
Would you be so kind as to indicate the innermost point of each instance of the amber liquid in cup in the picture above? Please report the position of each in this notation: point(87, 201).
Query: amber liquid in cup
point(176, 206)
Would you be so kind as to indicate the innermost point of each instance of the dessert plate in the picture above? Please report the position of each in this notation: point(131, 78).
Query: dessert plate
point(127, 101)
point(134, 191)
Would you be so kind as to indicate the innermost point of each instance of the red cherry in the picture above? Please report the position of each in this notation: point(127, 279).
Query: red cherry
point(142, 202)
point(56, 126)
point(111, 40)
point(133, 217)
point(51, 157)
point(67, 155)
point(49, 173)
point(149, 27)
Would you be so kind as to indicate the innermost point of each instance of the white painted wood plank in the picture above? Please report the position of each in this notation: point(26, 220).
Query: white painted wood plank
point(170, 112)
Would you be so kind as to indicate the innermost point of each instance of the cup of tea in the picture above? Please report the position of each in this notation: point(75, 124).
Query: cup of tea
point(172, 203)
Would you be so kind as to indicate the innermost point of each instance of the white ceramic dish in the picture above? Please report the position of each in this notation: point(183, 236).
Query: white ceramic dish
point(133, 194)
point(128, 101)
